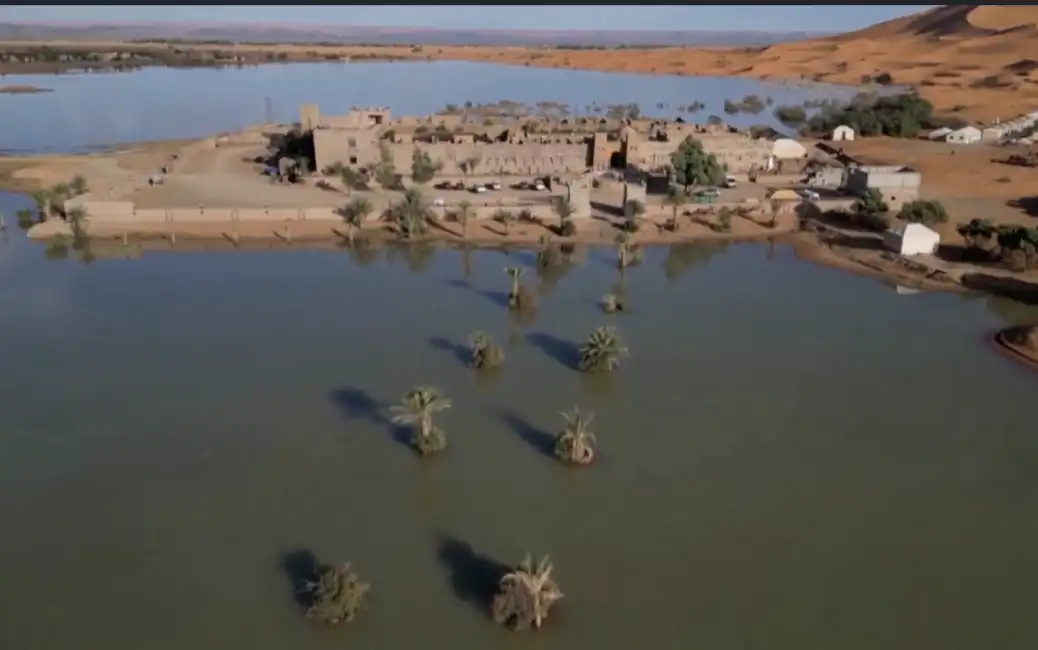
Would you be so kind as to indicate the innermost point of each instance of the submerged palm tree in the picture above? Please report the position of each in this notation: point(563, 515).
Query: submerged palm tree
point(526, 595)
point(416, 409)
point(576, 443)
point(464, 214)
point(337, 595)
point(519, 297)
point(602, 351)
point(485, 354)
point(613, 302)
point(623, 249)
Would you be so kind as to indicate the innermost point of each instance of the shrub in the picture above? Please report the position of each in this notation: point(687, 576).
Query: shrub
point(925, 212)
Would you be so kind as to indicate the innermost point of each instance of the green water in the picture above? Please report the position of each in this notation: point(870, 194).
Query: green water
point(791, 458)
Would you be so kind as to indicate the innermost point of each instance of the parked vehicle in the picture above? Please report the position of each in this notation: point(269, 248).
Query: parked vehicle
point(538, 186)
point(439, 203)
point(729, 182)
point(478, 189)
point(810, 195)
point(493, 185)
point(458, 185)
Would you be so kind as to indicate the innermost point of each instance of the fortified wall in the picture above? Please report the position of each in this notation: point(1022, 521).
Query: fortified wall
point(357, 139)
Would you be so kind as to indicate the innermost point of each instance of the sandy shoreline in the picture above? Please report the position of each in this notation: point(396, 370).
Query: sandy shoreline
point(945, 53)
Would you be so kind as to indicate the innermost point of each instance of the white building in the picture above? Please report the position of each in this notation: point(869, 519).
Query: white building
point(965, 135)
point(912, 239)
point(843, 132)
point(788, 149)
point(939, 134)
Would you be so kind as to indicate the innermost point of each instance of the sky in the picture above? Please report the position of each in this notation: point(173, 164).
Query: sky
point(608, 17)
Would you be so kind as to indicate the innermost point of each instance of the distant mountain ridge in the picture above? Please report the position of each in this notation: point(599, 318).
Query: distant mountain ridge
point(276, 33)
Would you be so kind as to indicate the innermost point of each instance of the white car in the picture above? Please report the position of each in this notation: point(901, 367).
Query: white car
point(494, 185)
point(729, 182)
point(810, 195)
point(539, 186)
point(439, 203)
point(479, 189)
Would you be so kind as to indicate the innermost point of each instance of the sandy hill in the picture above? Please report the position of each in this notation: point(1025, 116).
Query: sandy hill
point(951, 21)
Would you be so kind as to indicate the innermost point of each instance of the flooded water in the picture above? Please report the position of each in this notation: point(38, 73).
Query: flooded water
point(87, 111)
point(791, 458)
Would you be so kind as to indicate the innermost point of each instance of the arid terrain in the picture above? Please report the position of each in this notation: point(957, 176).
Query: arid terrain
point(978, 62)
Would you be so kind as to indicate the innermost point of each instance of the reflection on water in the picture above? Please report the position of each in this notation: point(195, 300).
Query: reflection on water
point(779, 466)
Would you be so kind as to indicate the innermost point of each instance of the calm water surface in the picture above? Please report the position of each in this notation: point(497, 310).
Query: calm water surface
point(91, 110)
point(792, 458)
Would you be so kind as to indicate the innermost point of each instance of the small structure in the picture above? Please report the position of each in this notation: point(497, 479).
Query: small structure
point(843, 132)
point(788, 149)
point(912, 239)
point(965, 135)
point(992, 134)
point(939, 134)
point(898, 185)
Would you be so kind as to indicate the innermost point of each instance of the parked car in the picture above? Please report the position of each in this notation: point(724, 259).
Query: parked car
point(538, 186)
point(810, 195)
point(478, 189)
point(444, 185)
point(458, 185)
point(493, 185)
point(711, 192)
point(729, 182)
point(439, 203)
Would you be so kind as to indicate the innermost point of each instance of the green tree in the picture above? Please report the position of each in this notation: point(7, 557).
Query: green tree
point(352, 179)
point(922, 211)
point(416, 409)
point(694, 166)
point(385, 169)
point(78, 185)
point(423, 168)
point(871, 203)
point(468, 166)
point(411, 214)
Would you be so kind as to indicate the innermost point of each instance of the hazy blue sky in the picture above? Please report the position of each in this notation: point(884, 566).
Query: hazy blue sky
point(747, 17)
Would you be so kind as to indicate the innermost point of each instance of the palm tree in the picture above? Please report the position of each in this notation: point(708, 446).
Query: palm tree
point(518, 297)
point(676, 199)
point(549, 254)
point(576, 442)
point(613, 302)
point(526, 595)
point(411, 214)
point(464, 213)
point(623, 249)
point(564, 209)
point(602, 351)
point(353, 215)
point(633, 210)
point(417, 408)
point(505, 218)
point(485, 354)
point(337, 595)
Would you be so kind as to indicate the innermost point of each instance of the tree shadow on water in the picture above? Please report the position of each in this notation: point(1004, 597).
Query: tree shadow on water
point(541, 440)
point(357, 404)
point(301, 568)
point(561, 350)
point(474, 578)
point(499, 298)
point(461, 353)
